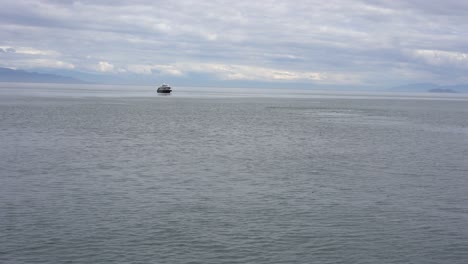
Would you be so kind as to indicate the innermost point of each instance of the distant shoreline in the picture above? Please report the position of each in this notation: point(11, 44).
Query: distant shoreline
point(442, 90)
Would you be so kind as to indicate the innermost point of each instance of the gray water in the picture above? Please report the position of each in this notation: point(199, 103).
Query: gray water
point(122, 175)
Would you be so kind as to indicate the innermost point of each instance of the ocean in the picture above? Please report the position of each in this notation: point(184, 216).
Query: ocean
point(120, 174)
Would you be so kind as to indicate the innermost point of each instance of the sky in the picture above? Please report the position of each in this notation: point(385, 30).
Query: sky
point(369, 43)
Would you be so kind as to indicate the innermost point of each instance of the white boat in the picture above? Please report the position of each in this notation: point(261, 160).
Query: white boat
point(164, 89)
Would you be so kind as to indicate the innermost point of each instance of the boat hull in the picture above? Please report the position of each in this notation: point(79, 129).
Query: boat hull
point(164, 91)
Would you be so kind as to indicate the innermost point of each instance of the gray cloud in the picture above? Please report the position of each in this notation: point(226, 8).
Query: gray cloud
point(357, 41)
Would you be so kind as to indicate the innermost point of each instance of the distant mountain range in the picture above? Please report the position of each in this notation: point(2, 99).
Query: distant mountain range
point(432, 88)
point(70, 76)
point(10, 75)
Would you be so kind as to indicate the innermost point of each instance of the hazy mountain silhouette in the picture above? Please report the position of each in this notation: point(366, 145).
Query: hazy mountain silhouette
point(430, 87)
point(10, 75)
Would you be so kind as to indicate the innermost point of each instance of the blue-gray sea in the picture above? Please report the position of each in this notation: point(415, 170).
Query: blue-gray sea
point(119, 174)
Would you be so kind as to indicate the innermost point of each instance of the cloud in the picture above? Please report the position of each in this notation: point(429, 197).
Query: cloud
point(7, 50)
point(245, 73)
point(104, 66)
point(28, 50)
point(441, 57)
point(32, 58)
point(140, 69)
point(339, 41)
point(46, 63)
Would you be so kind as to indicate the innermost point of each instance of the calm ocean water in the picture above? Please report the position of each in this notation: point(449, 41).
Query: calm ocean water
point(102, 174)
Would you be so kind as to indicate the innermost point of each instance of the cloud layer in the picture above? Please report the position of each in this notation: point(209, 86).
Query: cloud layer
point(319, 42)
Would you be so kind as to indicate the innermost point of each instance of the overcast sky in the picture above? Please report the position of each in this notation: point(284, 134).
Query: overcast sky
point(339, 42)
